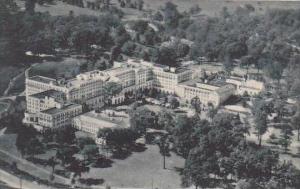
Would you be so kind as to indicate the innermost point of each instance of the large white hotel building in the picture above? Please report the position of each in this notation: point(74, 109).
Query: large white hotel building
point(53, 103)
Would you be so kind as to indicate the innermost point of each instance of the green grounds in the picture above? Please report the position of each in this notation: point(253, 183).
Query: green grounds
point(212, 130)
point(142, 170)
point(213, 7)
point(138, 169)
point(3, 106)
point(68, 68)
point(6, 74)
point(209, 7)
point(293, 153)
point(10, 154)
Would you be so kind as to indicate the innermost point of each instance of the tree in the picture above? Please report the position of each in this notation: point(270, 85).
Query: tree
point(65, 154)
point(195, 170)
point(165, 120)
point(174, 102)
point(121, 137)
point(171, 14)
point(128, 48)
point(260, 125)
point(140, 26)
point(149, 37)
point(180, 48)
point(52, 163)
point(90, 151)
point(167, 56)
point(228, 65)
point(65, 136)
point(279, 106)
point(196, 104)
point(83, 141)
point(121, 36)
point(140, 4)
point(285, 136)
point(34, 147)
point(158, 16)
point(25, 136)
point(246, 184)
point(111, 89)
point(195, 9)
point(250, 7)
point(78, 168)
point(115, 52)
point(212, 112)
point(287, 175)
point(141, 119)
point(260, 118)
point(296, 122)
point(145, 55)
point(274, 71)
point(252, 162)
point(30, 6)
point(164, 148)
point(186, 133)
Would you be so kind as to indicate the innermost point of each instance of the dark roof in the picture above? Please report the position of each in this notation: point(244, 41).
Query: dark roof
point(181, 69)
point(55, 110)
point(43, 79)
point(49, 93)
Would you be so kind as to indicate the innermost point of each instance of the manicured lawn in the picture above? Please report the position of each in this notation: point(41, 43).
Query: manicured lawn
point(142, 170)
point(294, 148)
point(60, 8)
point(3, 106)
point(7, 144)
point(213, 7)
point(6, 74)
point(68, 68)
point(209, 7)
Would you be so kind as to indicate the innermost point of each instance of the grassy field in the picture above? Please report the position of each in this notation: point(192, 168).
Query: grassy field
point(6, 73)
point(7, 144)
point(67, 68)
point(294, 148)
point(142, 170)
point(213, 7)
point(3, 106)
point(60, 8)
point(209, 7)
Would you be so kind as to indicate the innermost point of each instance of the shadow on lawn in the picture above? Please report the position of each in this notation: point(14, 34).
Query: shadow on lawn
point(179, 170)
point(125, 151)
point(39, 161)
point(102, 162)
point(91, 181)
point(296, 155)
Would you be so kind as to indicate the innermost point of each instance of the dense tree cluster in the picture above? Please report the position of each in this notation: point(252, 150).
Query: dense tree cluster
point(42, 33)
point(135, 4)
point(220, 154)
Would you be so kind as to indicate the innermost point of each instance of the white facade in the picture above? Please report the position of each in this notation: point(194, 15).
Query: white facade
point(207, 93)
point(167, 79)
point(251, 87)
point(44, 100)
point(59, 117)
point(164, 78)
point(53, 118)
point(91, 122)
point(85, 88)
point(55, 102)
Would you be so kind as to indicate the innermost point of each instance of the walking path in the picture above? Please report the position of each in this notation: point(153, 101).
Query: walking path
point(30, 166)
point(16, 182)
